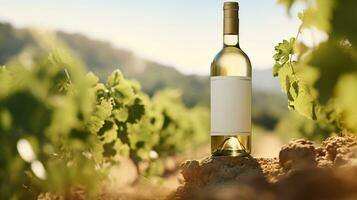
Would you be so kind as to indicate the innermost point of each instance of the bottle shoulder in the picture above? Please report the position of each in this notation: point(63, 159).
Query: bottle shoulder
point(231, 60)
point(229, 53)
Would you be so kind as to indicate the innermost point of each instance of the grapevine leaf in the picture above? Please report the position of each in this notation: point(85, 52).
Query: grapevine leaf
point(285, 72)
point(101, 91)
point(135, 85)
point(121, 149)
point(304, 103)
point(344, 21)
point(328, 71)
point(108, 125)
point(136, 111)
point(108, 132)
point(121, 114)
point(92, 79)
point(294, 90)
point(101, 112)
point(5, 81)
point(300, 49)
point(114, 79)
point(276, 69)
point(319, 16)
point(155, 169)
point(123, 92)
point(287, 3)
point(284, 59)
point(314, 110)
point(331, 70)
point(63, 118)
point(287, 88)
point(347, 100)
point(300, 15)
point(122, 130)
point(5, 120)
point(109, 149)
point(283, 52)
point(291, 105)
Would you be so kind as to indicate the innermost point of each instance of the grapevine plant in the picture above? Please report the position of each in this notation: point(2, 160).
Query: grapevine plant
point(60, 127)
point(320, 79)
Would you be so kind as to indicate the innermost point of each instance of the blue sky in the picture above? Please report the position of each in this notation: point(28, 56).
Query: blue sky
point(185, 34)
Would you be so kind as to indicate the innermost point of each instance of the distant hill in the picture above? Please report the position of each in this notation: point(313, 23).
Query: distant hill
point(102, 58)
point(264, 81)
point(12, 41)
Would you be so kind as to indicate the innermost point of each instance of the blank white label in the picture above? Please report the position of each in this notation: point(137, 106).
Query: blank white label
point(231, 99)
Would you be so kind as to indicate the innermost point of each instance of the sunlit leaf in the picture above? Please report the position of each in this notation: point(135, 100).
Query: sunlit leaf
point(333, 61)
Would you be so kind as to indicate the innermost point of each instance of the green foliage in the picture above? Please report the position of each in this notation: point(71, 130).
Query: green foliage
point(331, 70)
point(284, 51)
point(320, 80)
point(61, 128)
point(300, 97)
point(179, 123)
point(294, 126)
point(35, 107)
point(268, 116)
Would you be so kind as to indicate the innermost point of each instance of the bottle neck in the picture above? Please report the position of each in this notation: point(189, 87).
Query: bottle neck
point(230, 40)
point(231, 25)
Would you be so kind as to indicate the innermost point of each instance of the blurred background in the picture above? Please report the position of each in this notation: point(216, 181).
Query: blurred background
point(166, 48)
point(162, 44)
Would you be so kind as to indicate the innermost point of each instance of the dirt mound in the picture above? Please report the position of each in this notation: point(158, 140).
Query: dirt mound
point(302, 171)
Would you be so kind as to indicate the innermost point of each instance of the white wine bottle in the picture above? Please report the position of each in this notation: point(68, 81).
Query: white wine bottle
point(231, 92)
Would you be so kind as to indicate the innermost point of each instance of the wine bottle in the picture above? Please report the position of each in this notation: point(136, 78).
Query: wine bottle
point(231, 92)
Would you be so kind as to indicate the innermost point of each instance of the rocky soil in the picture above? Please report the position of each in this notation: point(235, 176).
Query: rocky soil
point(302, 171)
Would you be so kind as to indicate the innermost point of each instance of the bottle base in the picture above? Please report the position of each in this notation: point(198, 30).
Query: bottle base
point(230, 153)
point(231, 145)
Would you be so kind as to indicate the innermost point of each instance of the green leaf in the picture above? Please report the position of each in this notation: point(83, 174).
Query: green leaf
point(100, 114)
point(283, 51)
point(300, 15)
point(136, 111)
point(92, 79)
point(123, 93)
point(115, 78)
point(156, 168)
point(346, 95)
point(343, 21)
point(333, 60)
point(292, 90)
point(121, 149)
point(276, 69)
point(304, 103)
point(287, 88)
point(121, 114)
point(300, 49)
point(285, 72)
point(6, 82)
point(5, 120)
point(107, 126)
point(324, 78)
point(109, 150)
point(319, 16)
point(287, 3)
